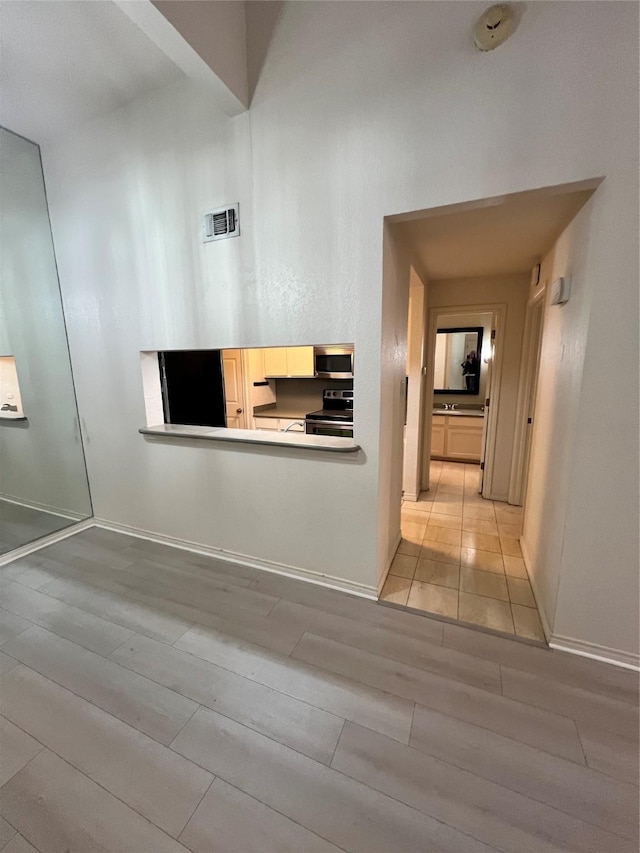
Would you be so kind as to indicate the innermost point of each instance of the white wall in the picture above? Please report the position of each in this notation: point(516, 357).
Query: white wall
point(146, 282)
point(361, 111)
point(511, 291)
point(41, 460)
point(574, 556)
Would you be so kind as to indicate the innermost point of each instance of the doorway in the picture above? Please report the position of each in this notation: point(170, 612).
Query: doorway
point(459, 554)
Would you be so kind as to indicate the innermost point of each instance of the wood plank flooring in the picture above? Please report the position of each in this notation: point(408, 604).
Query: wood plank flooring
point(21, 525)
point(152, 699)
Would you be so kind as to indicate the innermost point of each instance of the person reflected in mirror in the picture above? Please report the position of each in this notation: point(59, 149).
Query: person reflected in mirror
point(471, 371)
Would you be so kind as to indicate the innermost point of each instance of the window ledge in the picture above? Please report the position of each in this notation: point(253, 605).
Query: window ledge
point(12, 416)
point(249, 436)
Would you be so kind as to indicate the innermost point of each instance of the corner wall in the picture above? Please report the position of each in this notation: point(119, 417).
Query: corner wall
point(585, 571)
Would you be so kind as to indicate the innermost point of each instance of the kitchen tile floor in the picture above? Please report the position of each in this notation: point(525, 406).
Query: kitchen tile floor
point(460, 557)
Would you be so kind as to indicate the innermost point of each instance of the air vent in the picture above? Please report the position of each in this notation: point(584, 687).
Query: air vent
point(220, 224)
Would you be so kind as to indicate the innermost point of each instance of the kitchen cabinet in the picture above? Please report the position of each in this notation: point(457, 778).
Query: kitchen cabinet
point(275, 361)
point(288, 362)
point(277, 424)
point(300, 361)
point(457, 437)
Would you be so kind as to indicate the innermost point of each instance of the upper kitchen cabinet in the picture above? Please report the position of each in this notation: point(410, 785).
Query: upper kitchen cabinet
point(288, 362)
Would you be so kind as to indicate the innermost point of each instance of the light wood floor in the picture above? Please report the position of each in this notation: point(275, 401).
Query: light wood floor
point(155, 700)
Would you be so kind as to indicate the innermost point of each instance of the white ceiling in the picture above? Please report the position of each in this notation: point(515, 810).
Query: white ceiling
point(499, 236)
point(64, 63)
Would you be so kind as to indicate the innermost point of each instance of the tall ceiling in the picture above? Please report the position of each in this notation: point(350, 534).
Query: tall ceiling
point(66, 62)
point(498, 236)
point(62, 64)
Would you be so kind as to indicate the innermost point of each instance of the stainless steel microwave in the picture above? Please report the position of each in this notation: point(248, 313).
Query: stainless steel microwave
point(333, 362)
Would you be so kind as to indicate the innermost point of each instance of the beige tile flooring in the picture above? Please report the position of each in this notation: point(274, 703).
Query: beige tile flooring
point(460, 556)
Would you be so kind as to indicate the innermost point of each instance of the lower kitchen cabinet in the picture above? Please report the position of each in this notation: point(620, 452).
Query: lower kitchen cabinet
point(456, 437)
point(278, 424)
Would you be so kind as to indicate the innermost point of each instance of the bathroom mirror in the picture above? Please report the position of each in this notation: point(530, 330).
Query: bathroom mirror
point(458, 362)
point(43, 478)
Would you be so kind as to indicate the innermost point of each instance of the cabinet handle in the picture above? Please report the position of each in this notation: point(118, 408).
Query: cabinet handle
point(238, 411)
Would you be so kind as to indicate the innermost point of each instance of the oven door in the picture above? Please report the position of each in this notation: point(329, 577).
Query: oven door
point(340, 429)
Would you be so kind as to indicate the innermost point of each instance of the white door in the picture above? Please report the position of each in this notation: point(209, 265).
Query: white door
point(233, 388)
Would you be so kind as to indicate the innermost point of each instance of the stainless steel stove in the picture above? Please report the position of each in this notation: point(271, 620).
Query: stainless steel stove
point(335, 417)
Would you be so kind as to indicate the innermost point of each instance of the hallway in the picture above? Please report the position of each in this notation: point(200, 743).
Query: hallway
point(460, 557)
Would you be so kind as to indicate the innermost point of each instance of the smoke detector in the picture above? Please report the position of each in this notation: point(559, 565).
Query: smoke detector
point(494, 26)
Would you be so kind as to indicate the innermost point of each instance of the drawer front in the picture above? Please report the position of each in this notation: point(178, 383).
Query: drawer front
point(463, 421)
point(266, 423)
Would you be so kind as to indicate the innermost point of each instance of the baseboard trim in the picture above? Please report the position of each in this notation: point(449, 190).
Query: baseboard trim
point(66, 513)
point(409, 496)
point(294, 572)
point(383, 576)
point(616, 657)
point(51, 539)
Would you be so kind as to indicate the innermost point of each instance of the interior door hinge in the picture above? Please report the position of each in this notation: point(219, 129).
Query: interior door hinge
point(529, 420)
point(482, 466)
point(493, 334)
point(486, 402)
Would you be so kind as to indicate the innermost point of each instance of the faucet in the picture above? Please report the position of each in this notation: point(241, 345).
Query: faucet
point(292, 424)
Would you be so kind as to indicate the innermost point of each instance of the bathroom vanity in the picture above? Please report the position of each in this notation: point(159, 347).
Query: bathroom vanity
point(457, 434)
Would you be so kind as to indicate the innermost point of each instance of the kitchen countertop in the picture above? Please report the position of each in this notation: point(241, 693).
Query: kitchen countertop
point(276, 412)
point(467, 413)
point(290, 440)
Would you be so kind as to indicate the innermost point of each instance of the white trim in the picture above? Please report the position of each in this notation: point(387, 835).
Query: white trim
point(572, 646)
point(383, 576)
point(74, 516)
point(494, 391)
point(527, 383)
point(499, 323)
point(408, 496)
point(615, 657)
point(351, 587)
point(51, 539)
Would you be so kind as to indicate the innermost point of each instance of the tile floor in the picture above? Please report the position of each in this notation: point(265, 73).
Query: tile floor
point(460, 556)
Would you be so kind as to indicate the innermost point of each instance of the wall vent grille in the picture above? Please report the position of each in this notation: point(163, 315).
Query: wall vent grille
point(221, 224)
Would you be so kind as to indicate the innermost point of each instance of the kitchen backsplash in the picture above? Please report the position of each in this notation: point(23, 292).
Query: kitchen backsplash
point(305, 394)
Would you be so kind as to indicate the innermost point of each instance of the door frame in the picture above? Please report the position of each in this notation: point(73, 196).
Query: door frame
point(415, 382)
point(527, 386)
point(499, 312)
